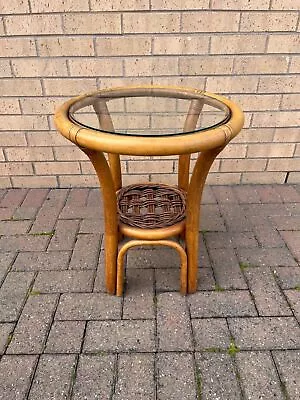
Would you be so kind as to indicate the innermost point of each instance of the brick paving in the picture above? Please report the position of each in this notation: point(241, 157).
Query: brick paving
point(62, 337)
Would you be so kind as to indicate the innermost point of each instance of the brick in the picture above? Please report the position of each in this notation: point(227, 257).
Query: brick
point(205, 65)
point(223, 178)
point(179, 5)
point(289, 101)
point(234, 217)
point(243, 165)
point(123, 46)
point(84, 306)
point(225, 240)
point(288, 193)
point(65, 46)
point(240, 5)
point(40, 139)
point(278, 84)
point(39, 261)
point(152, 258)
point(33, 24)
point(12, 294)
point(57, 168)
point(92, 226)
point(294, 177)
point(255, 135)
point(64, 236)
point(180, 45)
point(144, 23)
point(119, 5)
point(48, 213)
point(265, 333)
point(135, 377)
point(68, 87)
point(221, 304)
point(285, 5)
point(5, 70)
point(261, 64)
point(86, 252)
point(92, 67)
point(263, 177)
point(121, 336)
point(203, 21)
point(279, 43)
point(291, 238)
point(5, 334)
point(226, 269)
point(258, 375)
point(237, 44)
point(43, 6)
point(65, 337)
point(287, 224)
point(53, 377)
point(34, 198)
point(287, 363)
point(281, 119)
point(211, 333)
point(151, 66)
point(69, 153)
point(39, 67)
point(284, 164)
point(267, 296)
point(256, 102)
point(23, 243)
point(294, 301)
point(258, 21)
point(14, 6)
point(9, 106)
point(217, 375)
point(150, 166)
point(13, 198)
point(96, 23)
point(210, 219)
point(138, 301)
point(25, 122)
point(17, 47)
point(265, 233)
point(94, 377)
point(172, 323)
point(232, 84)
point(270, 150)
point(63, 281)
point(271, 257)
point(176, 376)
point(14, 227)
point(295, 65)
point(77, 181)
point(29, 153)
point(93, 212)
point(36, 318)
point(34, 181)
point(11, 369)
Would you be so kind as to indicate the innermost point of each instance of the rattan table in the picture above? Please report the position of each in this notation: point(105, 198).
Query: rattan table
point(151, 121)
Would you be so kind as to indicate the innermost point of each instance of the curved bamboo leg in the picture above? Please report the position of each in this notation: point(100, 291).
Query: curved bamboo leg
point(106, 124)
point(110, 215)
point(133, 243)
point(195, 191)
point(189, 125)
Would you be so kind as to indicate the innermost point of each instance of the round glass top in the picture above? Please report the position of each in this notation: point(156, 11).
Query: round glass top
point(149, 115)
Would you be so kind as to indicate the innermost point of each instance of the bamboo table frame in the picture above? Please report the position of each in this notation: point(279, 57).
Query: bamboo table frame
point(209, 142)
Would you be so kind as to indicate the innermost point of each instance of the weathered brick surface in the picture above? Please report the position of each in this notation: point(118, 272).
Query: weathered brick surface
point(53, 377)
point(137, 336)
point(258, 375)
point(217, 375)
point(237, 337)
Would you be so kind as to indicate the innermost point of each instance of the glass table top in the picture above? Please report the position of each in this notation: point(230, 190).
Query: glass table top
point(141, 115)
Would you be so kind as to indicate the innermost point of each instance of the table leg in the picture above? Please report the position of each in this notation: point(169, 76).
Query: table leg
point(110, 215)
point(195, 190)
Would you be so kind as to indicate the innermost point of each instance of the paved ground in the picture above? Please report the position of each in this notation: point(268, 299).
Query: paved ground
point(62, 337)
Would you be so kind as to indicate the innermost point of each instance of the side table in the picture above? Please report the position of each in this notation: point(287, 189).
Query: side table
point(150, 121)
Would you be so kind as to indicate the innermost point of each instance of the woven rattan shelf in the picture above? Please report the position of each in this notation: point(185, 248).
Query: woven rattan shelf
point(150, 214)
